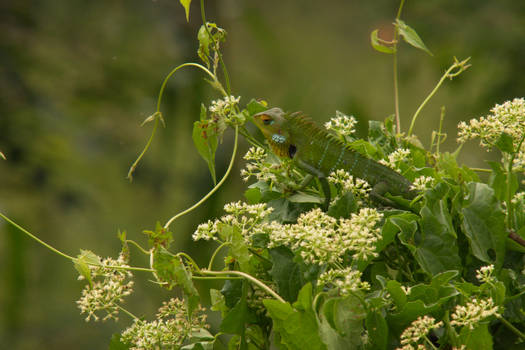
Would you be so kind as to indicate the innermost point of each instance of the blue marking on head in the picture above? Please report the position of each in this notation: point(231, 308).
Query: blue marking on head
point(278, 138)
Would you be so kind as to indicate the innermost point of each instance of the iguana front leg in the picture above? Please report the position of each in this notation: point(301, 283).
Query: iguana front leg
point(322, 179)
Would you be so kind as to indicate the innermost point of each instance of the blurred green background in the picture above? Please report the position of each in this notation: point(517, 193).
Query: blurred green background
point(78, 77)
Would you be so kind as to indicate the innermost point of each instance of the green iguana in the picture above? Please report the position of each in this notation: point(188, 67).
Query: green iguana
point(316, 151)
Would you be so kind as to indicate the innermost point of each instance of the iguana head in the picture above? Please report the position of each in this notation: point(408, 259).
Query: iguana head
point(272, 124)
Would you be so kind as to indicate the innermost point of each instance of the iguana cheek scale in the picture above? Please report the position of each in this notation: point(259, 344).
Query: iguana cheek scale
point(316, 151)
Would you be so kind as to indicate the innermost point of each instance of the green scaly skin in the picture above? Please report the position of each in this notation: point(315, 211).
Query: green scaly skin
point(316, 151)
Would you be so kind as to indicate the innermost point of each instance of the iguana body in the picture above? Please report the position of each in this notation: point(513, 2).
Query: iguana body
point(319, 153)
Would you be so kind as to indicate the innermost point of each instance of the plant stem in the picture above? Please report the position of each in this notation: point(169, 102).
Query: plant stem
point(396, 88)
point(223, 66)
point(512, 328)
point(461, 66)
point(196, 205)
point(249, 278)
point(37, 239)
point(210, 265)
point(147, 252)
point(127, 312)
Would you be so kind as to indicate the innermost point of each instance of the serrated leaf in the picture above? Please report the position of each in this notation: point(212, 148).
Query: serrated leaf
point(235, 321)
point(343, 207)
point(205, 139)
point(411, 36)
point(83, 261)
point(378, 46)
point(301, 197)
point(186, 5)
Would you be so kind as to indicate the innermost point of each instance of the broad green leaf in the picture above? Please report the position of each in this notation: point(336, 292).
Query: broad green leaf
point(253, 195)
point(298, 330)
point(286, 273)
point(505, 143)
point(237, 248)
point(378, 46)
point(235, 321)
point(413, 309)
point(171, 272)
point(186, 5)
point(479, 338)
point(435, 248)
point(202, 345)
point(206, 141)
point(232, 292)
point(161, 237)
point(343, 207)
point(484, 224)
point(411, 37)
point(341, 322)
point(83, 261)
point(397, 293)
point(377, 330)
point(254, 107)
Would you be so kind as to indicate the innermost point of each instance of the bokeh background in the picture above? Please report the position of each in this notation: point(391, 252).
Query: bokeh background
point(78, 77)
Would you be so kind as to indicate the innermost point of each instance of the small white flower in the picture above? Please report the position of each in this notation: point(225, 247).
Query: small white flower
point(345, 280)
point(342, 124)
point(396, 157)
point(418, 330)
point(422, 183)
point(484, 274)
point(474, 312)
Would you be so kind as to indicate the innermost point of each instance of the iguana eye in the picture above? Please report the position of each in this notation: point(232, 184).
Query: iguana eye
point(267, 120)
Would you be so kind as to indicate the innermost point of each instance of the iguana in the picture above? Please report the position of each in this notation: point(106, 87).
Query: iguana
point(316, 151)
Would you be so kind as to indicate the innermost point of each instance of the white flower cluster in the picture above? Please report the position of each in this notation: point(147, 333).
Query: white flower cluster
point(169, 330)
point(110, 284)
point(224, 106)
point(322, 239)
point(345, 280)
point(418, 330)
point(484, 274)
point(248, 218)
point(395, 158)
point(360, 188)
point(508, 118)
point(474, 312)
point(257, 167)
point(342, 124)
point(519, 198)
point(422, 183)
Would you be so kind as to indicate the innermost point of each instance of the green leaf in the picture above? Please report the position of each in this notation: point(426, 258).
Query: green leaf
point(301, 197)
point(235, 321)
point(161, 237)
point(298, 329)
point(479, 338)
point(341, 322)
point(237, 248)
point(484, 224)
point(397, 293)
point(378, 46)
point(253, 195)
point(171, 272)
point(206, 141)
point(186, 5)
point(254, 107)
point(435, 247)
point(343, 207)
point(505, 143)
point(377, 330)
point(117, 344)
point(82, 262)
point(411, 37)
point(286, 273)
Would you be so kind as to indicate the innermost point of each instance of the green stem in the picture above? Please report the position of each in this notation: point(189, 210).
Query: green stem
point(396, 88)
point(130, 268)
point(127, 312)
point(196, 205)
point(481, 170)
point(218, 278)
point(461, 66)
point(512, 328)
point(190, 259)
point(210, 265)
point(223, 66)
point(249, 278)
point(158, 114)
point(147, 252)
point(37, 239)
